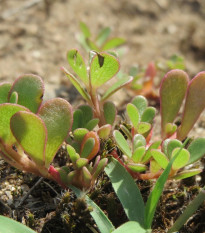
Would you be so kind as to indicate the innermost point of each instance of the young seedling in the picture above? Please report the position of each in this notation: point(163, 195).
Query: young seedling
point(101, 42)
point(103, 67)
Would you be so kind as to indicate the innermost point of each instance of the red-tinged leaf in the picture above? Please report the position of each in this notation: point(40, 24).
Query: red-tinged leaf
point(172, 92)
point(103, 67)
point(4, 92)
point(6, 112)
point(96, 146)
point(194, 104)
point(151, 71)
point(30, 132)
point(30, 91)
point(57, 115)
point(87, 148)
point(77, 63)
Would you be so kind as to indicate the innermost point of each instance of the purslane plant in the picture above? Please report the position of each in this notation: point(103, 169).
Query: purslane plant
point(139, 154)
point(102, 68)
point(32, 132)
point(101, 42)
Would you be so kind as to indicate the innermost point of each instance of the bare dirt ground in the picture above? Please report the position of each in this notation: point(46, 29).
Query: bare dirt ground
point(35, 36)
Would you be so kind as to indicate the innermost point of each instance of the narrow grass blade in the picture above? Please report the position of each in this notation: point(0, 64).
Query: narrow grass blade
point(127, 191)
point(102, 221)
point(8, 225)
point(192, 207)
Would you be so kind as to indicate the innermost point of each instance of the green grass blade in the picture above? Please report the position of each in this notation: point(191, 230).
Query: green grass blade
point(153, 199)
point(103, 223)
point(192, 207)
point(127, 191)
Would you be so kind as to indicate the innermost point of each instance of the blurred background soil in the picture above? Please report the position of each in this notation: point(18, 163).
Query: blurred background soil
point(35, 35)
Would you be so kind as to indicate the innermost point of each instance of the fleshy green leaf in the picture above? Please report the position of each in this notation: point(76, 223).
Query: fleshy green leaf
point(96, 147)
point(85, 30)
point(80, 88)
point(187, 173)
point(154, 166)
point(138, 154)
point(14, 98)
point(6, 112)
point(92, 123)
point(113, 43)
point(4, 92)
point(79, 134)
point(77, 119)
point(30, 91)
point(148, 154)
point(170, 129)
point(160, 158)
point(102, 36)
point(143, 127)
point(148, 115)
point(196, 150)
point(137, 167)
point(194, 105)
point(172, 144)
point(87, 113)
point(77, 63)
point(172, 92)
point(182, 158)
point(87, 147)
point(141, 103)
point(104, 131)
point(8, 225)
point(86, 176)
point(122, 143)
point(133, 114)
point(127, 191)
point(72, 153)
point(103, 67)
point(57, 116)
point(30, 131)
point(131, 227)
point(109, 112)
point(101, 165)
point(138, 141)
point(116, 86)
point(81, 162)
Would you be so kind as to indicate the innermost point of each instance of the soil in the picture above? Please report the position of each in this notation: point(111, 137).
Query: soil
point(34, 38)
